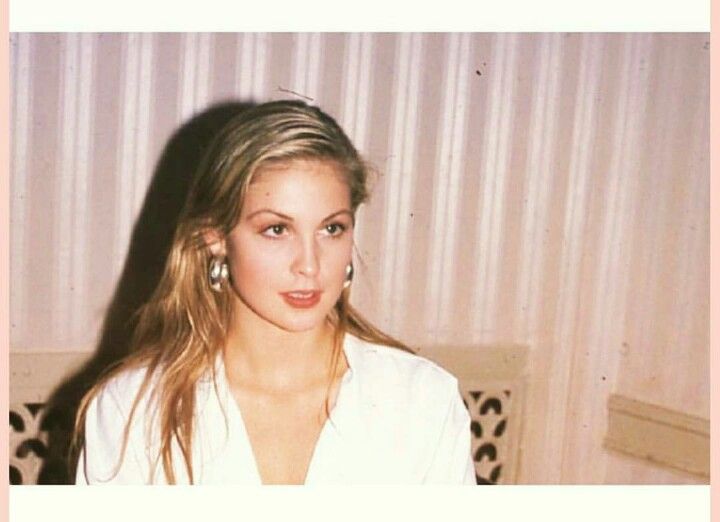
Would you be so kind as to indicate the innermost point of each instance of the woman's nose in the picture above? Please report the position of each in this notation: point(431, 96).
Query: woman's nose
point(306, 261)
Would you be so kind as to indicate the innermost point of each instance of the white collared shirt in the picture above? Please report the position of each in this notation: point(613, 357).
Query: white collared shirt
point(398, 419)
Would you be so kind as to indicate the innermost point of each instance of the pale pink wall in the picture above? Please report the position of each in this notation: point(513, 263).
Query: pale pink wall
point(546, 189)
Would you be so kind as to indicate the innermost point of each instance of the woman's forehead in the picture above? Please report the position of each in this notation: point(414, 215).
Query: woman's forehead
point(298, 186)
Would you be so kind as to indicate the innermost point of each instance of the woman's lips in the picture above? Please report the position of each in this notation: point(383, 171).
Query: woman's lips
point(302, 299)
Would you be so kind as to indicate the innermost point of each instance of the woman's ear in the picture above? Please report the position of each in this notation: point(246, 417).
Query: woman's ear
point(215, 242)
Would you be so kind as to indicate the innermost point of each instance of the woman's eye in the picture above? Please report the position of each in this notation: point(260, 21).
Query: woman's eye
point(275, 230)
point(335, 229)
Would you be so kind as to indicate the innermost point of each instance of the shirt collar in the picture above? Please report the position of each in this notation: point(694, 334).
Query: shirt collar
point(348, 404)
point(353, 350)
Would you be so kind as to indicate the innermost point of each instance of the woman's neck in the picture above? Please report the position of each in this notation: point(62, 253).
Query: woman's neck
point(263, 356)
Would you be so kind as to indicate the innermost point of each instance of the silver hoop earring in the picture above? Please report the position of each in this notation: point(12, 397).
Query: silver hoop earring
point(217, 273)
point(348, 275)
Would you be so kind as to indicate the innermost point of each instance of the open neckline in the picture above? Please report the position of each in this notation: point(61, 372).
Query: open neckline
point(237, 419)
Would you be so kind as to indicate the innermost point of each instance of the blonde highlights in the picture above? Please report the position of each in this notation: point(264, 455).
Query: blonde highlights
point(181, 330)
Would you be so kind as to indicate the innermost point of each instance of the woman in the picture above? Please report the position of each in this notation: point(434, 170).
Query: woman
point(249, 365)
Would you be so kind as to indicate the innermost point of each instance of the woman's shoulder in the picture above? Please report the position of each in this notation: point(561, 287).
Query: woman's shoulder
point(122, 387)
point(390, 367)
point(409, 407)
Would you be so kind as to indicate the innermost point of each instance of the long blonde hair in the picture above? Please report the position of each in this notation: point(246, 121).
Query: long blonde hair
point(182, 327)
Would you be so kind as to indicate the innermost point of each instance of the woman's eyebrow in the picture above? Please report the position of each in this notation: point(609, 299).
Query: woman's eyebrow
point(284, 216)
point(335, 214)
point(279, 214)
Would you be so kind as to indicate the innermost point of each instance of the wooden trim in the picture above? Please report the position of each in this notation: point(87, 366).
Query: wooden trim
point(496, 362)
point(659, 435)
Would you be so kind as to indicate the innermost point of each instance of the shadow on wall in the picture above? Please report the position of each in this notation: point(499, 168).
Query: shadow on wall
point(149, 247)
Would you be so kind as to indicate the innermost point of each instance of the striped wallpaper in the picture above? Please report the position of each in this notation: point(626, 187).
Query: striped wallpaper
point(546, 189)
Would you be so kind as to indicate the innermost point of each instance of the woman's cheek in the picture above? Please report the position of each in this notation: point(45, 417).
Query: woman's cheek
point(260, 264)
point(251, 265)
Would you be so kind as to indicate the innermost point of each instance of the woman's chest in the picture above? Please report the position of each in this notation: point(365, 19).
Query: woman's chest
point(283, 436)
point(282, 430)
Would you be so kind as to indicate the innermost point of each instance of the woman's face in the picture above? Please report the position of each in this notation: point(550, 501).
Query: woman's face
point(289, 251)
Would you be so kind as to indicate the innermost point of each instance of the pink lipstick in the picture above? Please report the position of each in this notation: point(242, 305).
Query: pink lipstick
point(302, 298)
